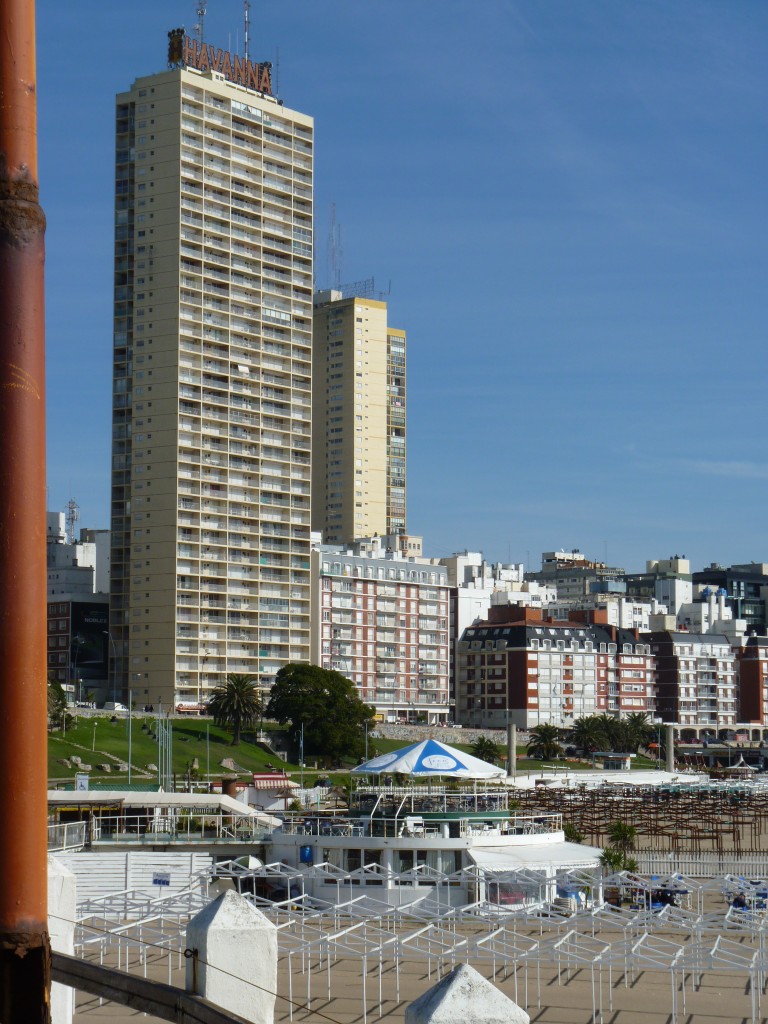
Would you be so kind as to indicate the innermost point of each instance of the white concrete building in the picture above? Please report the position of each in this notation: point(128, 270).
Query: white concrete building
point(381, 619)
point(476, 585)
point(623, 612)
point(76, 567)
point(710, 614)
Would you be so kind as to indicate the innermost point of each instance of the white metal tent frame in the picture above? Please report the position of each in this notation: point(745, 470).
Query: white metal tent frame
point(608, 942)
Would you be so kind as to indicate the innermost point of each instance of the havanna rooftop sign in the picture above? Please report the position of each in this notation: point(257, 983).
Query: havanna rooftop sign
point(185, 52)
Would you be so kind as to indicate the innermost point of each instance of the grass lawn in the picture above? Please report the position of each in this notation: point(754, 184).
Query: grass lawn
point(92, 739)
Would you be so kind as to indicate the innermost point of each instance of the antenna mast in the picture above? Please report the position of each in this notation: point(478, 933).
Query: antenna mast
point(335, 250)
point(201, 10)
point(72, 514)
point(247, 6)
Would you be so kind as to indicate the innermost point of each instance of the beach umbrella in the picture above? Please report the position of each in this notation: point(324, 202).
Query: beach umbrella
point(430, 757)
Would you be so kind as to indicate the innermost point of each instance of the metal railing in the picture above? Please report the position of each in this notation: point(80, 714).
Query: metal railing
point(408, 825)
point(70, 835)
point(177, 828)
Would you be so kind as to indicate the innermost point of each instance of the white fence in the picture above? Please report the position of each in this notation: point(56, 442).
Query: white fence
point(702, 865)
point(151, 873)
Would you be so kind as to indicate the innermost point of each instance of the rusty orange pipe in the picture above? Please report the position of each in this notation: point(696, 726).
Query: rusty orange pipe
point(24, 943)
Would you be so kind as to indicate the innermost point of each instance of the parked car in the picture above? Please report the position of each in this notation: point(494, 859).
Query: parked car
point(112, 705)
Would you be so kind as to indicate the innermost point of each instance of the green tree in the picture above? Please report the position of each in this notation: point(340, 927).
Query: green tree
point(622, 837)
point(57, 703)
point(545, 742)
point(235, 704)
point(641, 730)
point(621, 843)
point(589, 733)
point(486, 750)
point(572, 834)
point(328, 707)
point(611, 860)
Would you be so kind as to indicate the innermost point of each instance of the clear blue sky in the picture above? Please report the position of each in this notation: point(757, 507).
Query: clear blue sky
point(569, 199)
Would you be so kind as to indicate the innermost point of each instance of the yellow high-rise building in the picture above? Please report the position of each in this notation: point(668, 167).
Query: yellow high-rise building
point(212, 380)
point(358, 435)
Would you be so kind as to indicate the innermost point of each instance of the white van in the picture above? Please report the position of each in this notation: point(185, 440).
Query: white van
point(114, 706)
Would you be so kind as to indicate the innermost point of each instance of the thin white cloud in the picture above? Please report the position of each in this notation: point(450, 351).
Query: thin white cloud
point(733, 468)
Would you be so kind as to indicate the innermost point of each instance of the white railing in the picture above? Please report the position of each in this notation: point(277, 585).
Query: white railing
point(703, 865)
point(408, 824)
point(155, 827)
point(68, 836)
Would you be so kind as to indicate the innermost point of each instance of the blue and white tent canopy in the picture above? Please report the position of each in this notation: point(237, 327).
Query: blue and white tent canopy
point(430, 757)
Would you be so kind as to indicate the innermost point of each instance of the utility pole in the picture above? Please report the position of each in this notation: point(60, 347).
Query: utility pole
point(25, 955)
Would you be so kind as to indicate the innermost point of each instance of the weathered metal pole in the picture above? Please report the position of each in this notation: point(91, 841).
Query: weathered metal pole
point(25, 961)
point(511, 750)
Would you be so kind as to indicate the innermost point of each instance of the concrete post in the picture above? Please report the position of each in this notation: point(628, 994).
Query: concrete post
point(235, 961)
point(464, 995)
point(511, 750)
point(670, 747)
point(62, 903)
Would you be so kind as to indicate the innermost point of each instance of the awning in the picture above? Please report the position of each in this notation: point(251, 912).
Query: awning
point(197, 803)
point(279, 784)
point(536, 856)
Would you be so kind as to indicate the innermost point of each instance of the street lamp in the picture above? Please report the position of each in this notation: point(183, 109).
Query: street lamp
point(106, 632)
point(301, 756)
point(659, 722)
point(77, 641)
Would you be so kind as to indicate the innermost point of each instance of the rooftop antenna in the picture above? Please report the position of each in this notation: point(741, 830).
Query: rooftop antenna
point(201, 9)
point(277, 71)
point(247, 7)
point(335, 250)
point(72, 516)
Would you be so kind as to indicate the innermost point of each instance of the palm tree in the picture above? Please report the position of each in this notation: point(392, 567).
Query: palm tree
point(486, 750)
point(589, 733)
point(545, 743)
point(641, 730)
point(572, 834)
point(611, 860)
point(622, 837)
point(236, 703)
point(621, 842)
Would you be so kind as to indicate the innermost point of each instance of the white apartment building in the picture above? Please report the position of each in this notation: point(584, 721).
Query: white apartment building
point(667, 580)
point(381, 619)
point(711, 614)
point(212, 379)
point(76, 567)
point(622, 611)
point(477, 584)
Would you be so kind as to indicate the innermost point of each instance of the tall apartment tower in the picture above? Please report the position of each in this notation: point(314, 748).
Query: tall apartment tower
point(212, 379)
point(358, 437)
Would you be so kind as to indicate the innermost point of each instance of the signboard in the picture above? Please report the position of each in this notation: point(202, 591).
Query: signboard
point(185, 52)
point(161, 878)
point(81, 782)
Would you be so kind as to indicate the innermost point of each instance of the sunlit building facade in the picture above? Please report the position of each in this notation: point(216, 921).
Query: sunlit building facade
point(212, 385)
point(359, 392)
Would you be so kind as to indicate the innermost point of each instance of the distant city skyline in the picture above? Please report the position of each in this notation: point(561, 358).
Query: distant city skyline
point(568, 201)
